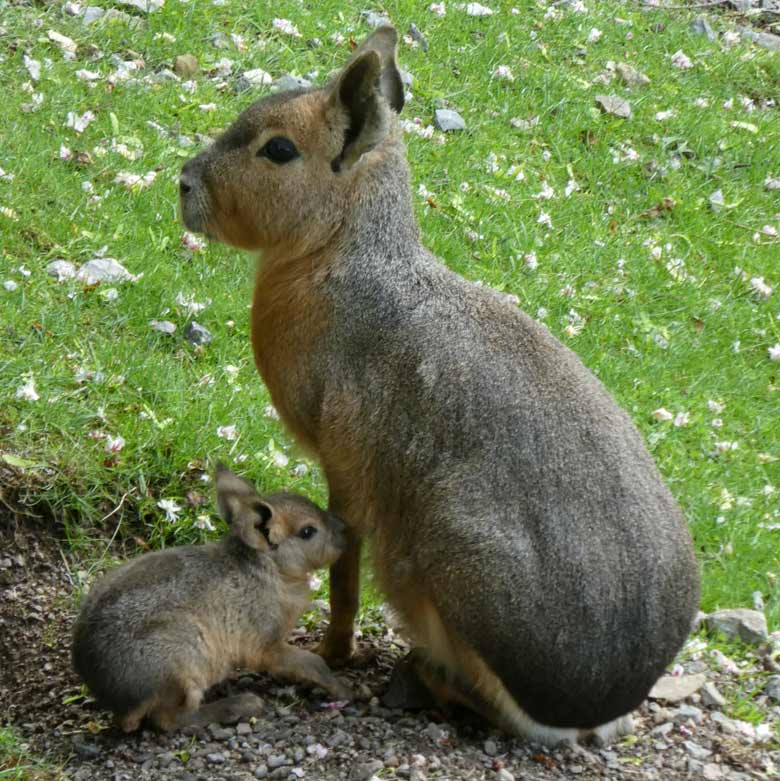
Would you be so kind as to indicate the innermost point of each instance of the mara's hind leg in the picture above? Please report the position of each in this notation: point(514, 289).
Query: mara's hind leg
point(227, 710)
point(131, 721)
point(177, 705)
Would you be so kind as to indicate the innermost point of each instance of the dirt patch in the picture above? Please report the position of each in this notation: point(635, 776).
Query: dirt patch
point(299, 736)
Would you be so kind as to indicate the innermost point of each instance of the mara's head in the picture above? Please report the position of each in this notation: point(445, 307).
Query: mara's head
point(282, 174)
point(298, 535)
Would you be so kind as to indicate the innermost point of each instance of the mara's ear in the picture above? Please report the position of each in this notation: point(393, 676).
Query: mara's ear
point(369, 80)
point(242, 508)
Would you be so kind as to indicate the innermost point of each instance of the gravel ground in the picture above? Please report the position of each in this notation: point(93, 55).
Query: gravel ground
point(299, 735)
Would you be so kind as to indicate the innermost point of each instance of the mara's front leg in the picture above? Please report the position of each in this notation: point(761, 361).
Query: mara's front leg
point(338, 645)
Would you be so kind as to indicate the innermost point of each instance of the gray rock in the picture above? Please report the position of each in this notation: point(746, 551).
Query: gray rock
point(373, 19)
point(662, 730)
point(695, 750)
point(770, 7)
point(689, 713)
point(218, 732)
point(447, 120)
point(615, 105)
point(630, 76)
point(104, 270)
point(145, 6)
point(185, 65)
point(766, 40)
point(748, 625)
point(289, 82)
point(490, 748)
point(701, 26)
point(61, 270)
point(772, 688)
point(314, 43)
point(217, 758)
point(717, 202)
point(261, 771)
point(504, 775)
point(165, 759)
point(406, 78)
point(91, 14)
point(711, 772)
point(252, 79)
point(434, 731)
point(163, 326)
point(742, 5)
point(278, 760)
point(242, 728)
point(416, 35)
point(365, 771)
point(711, 697)
point(197, 334)
point(671, 688)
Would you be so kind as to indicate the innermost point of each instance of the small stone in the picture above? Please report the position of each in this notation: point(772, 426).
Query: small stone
point(672, 688)
point(695, 750)
point(766, 40)
point(447, 120)
point(163, 326)
point(365, 771)
point(185, 65)
point(242, 728)
point(218, 732)
point(701, 26)
point(689, 713)
point(504, 775)
point(631, 76)
point(261, 771)
point(91, 14)
point(772, 688)
point(314, 43)
point(717, 202)
point(711, 772)
point(278, 760)
point(711, 697)
point(743, 6)
point(197, 334)
point(612, 104)
point(416, 35)
point(289, 82)
point(406, 78)
point(86, 750)
point(662, 730)
point(253, 79)
point(217, 758)
point(145, 6)
point(434, 731)
point(748, 625)
point(104, 270)
point(490, 748)
point(61, 270)
point(373, 19)
point(165, 759)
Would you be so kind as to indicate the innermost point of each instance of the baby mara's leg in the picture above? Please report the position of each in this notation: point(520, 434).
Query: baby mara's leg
point(288, 661)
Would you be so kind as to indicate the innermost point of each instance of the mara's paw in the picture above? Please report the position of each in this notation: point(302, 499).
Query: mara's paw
point(336, 649)
point(608, 733)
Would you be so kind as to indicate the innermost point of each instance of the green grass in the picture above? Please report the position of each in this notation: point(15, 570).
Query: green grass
point(656, 337)
point(16, 764)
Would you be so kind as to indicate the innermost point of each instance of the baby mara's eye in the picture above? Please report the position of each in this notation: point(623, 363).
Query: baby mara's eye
point(279, 150)
point(307, 532)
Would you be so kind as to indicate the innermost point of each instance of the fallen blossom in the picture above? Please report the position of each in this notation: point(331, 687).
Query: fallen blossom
point(416, 126)
point(681, 60)
point(578, 7)
point(594, 35)
point(286, 26)
point(438, 9)
point(190, 304)
point(10, 213)
point(65, 153)
point(681, 419)
point(662, 116)
point(170, 508)
point(531, 260)
point(27, 391)
point(725, 447)
point(772, 183)
point(207, 106)
point(203, 522)
point(717, 423)
point(571, 186)
point(503, 72)
point(10, 285)
point(79, 123)
point(774, 352)
point(662, 414)
point(229, 433)
point(86, 75)
point(68, 45)
point(114, 444)
point(544, 219)
point(338, 38)
point(33, 67)
point(135, 181)
point(475, 9)
point(715, 406)
point(723, 661)
point(300, 469)
point(760, 288)
point(546, 192)
point(769, 230)
point(280, 459)
point(191, 242)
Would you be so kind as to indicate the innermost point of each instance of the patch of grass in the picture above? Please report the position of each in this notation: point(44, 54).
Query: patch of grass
point(17, 764)
point(649, 299)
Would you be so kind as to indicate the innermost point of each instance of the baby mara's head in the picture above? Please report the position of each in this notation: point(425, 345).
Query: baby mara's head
point(294, 532)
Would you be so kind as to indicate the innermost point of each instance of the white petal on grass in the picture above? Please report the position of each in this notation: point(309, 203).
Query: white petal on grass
point(87, 75)
point(476, 9)
point(503, 72)
point(300, 469)
point(10, 285)
point(79, 123)
point(203, 522)
point(774, 352)
point(716, 423)
point(681, 60)
point(230, 433)
point(715, 406)
point(170, 508)
point(114, 444)
point(33, 67)
point(594, 35)
point(190, 304)
point(772, 183)
point(270, 412)
point(681, 419)
point(662, 414)
point(191, 242)
point(280, 459)
point(27, 391)
point(286, 26)
point(544, 219)
point(531, 260)
point(725, 447)
point(135, 181)
point(760, 288)
point(10, 213)
point(437, 8)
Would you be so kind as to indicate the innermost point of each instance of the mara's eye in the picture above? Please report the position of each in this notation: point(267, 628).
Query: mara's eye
point(307, 532)
point(279, 149)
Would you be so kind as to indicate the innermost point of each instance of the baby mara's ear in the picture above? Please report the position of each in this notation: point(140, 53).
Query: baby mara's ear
point(250, 518)
point(369, 80)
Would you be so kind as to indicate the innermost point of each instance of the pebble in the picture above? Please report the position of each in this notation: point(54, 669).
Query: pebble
point(165, 759)
point(365, 771)
point(277, 760)
point(504, 775)
point(197, 334)
point(416, 35)
point(243, 728)
point(631, 76)
point(163, 326)
point(747, 625)
point(701, 26)
point(772, 688)
point(689, 713)
point(61, 270)
point(672, 688)
point(490, 748)
point(261, 771)
point(448, 121)
point(695, 750)
point(217, 758)
point(289, 82)
point(104, 270)
point(711, 697)
point(615, 105)
point(712, 772)
point(185, 65)
point(373, 19)
point(766, 40)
